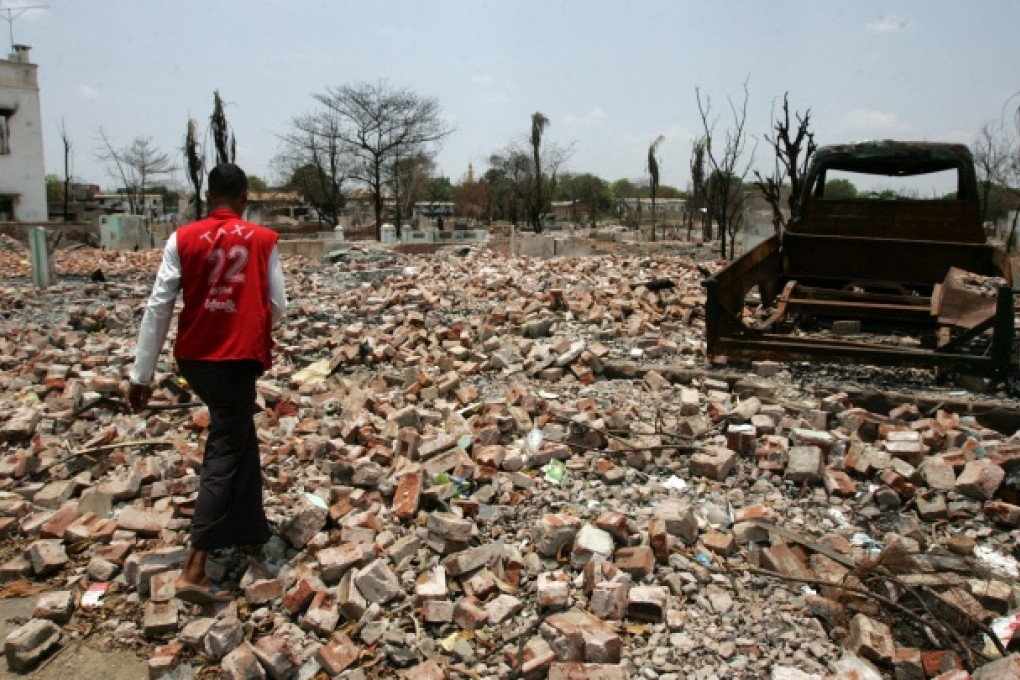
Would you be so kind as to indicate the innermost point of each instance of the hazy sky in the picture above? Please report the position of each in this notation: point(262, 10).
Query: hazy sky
point(610, 76)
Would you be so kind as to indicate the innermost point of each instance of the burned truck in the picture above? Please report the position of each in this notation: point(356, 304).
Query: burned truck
point(873, 277)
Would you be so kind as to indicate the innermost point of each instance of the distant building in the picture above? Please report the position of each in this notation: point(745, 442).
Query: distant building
point(271, 207)
point(570, 211)
point(22, 171)
point(120, 202)
point(643, 206)
point(433, 209)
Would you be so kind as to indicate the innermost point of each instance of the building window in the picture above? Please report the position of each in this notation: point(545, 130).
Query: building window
point(5, 131)
point(6, 208)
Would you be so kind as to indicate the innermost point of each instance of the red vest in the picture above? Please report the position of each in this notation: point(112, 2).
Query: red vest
point(225, 280)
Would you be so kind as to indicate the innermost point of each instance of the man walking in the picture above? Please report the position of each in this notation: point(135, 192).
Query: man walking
point(232, 282)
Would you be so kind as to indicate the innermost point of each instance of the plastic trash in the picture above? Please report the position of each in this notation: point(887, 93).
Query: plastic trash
point(316, 500)
point(93, 597)
point(715, 516)
point(838, 517)
point(675, 483)
point(862, 540)
point(535, 438)
point(1005, 628)
point(1002, 565)
point(555, 471)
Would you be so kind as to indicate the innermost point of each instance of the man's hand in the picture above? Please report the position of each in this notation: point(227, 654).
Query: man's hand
point(138, 396)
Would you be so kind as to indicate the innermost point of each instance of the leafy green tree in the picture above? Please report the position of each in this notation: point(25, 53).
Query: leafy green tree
point(624, 188)
point(591, 191)
point(316, 186)
point(256, 183)
point(440, 189)
point(840, 189)
point(511, 184)
point(54, 188)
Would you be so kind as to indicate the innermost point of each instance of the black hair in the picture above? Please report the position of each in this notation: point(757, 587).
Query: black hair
point(227, 180)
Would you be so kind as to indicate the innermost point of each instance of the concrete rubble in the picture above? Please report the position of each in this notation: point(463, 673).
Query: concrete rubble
point(486, 467)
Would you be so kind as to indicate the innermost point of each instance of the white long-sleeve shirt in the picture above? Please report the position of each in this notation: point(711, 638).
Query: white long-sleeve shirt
point(160, 306)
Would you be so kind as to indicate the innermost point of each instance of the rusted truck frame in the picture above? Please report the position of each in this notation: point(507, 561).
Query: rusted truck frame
point(896, 266)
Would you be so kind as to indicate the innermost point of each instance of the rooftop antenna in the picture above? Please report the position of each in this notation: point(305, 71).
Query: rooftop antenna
point(13, 13)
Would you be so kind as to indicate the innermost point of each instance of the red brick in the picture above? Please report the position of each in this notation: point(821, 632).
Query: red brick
point(338, 654)
point(298, 597)
point(780, 558)
point(263, 591)
point(429, 670)
point(1007, 668)
point(1003, 513)
point(637, 561)
point(719, 542)
point(838, 483)
point(469, 613)
point(616, 524)
point(980, 479)
point(716, 465)
point(405, 499)
point(579, 636)
point(659, 540)
point(57, 524)
point(939, 661)
point(870, 639)
point(585, 671)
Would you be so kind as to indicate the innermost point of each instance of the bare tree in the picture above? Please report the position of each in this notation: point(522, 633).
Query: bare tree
point(67, 165)
point(112, 157)
point(515, 167)
point(698, 188)
point(146, 163)
point(725, 158)
point(408, 178)
point(313, 160)
point(135, 165)
point(653, 171)
point(537, 204)
point(997, 159)
point(789, 163)
point(995, 156)
point(223, 136)
point(194, 159)
point(380, 122)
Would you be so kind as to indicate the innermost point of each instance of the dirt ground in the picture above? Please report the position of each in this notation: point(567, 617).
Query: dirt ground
point(74, 660)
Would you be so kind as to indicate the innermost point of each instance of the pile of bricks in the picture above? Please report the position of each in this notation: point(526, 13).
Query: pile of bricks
point(411, 432)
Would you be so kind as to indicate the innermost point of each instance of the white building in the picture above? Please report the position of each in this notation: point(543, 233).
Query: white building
point(22, 171)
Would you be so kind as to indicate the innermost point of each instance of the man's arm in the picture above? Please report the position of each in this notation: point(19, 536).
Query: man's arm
point(158, 312)
point(277, 293)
